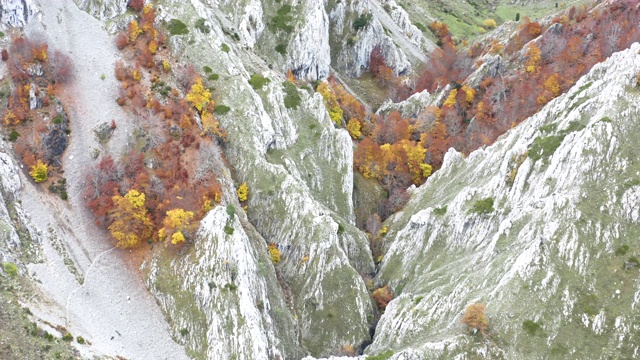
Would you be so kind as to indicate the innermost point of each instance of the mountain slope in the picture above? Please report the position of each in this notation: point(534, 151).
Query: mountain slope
point(552, 253)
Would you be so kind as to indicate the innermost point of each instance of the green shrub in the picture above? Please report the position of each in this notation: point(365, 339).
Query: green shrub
point(184, 331)
point(13, 136)
point(258, 81)
point(531, 327)
point(213, 77)
point(58, 119)
point(482, 207)
point(440, 211)
point(362, 21)
point(292, 99)
point(231, 210)
point(10, 269)
point(282, 20)
point(206, 69)
point(81, 340)
point(221, 109)
point(177, 27)
point(202, 27)
point(228, 230)
point(340, 229)
point(622, 250)
point(224, 47)
point(282, 49)
point(67, 337)
point(606, 119)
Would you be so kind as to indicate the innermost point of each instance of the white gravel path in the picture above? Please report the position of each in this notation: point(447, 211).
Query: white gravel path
point(112, 309)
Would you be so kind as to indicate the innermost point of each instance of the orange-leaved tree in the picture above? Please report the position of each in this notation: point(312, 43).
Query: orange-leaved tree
point(475, 319)
point(130, 221)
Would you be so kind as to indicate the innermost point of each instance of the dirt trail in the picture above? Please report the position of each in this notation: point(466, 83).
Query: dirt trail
point(111, 308)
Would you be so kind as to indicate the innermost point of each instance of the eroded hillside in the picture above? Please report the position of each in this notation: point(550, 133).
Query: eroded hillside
point(215, 142)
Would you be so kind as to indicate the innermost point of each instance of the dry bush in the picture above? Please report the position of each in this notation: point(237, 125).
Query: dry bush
point(121, 70)
point(186, 76)
point(5, 55)
point(122, 40)
point(136, 5)
point(61, 67)
point(21, 47)
point(382, 297)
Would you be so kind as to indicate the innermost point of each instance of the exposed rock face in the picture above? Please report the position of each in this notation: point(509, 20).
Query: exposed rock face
point(16, 13)
point(103, 10)
point(238, 308)
point(11, 246)
point(356, 46)
point(310, 53)
point(548, 257)
point(401, 18)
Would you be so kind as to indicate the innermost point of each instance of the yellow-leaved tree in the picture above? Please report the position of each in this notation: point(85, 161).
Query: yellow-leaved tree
point(199, 96)
point(175, 224)
point(330, 101)
point(130, 221)
point(533, 59)
point(451, 99)
point(243, 192)
point(39, 172)
point(354, 128)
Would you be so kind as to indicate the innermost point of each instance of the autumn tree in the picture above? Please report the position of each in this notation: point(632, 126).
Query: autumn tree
point(474, 319)
point(39, 172)
point(382, 296)
point(130, 223)
point(175, 224)
point(199, 96)
point(330, 101)
point(243, 192)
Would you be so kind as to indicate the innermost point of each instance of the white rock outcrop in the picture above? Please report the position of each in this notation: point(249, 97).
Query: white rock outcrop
point(16, 13)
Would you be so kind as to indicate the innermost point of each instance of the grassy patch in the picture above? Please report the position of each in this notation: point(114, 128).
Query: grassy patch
point(228, 230)
point(258, 81)
point(440, 211)
point(292, 98)
point(224, 47)
point(531, 327)
point(221, 109)
point(382, 356)
point(622, 250)
point(213, 77)
point(545, 146)
point(549, 128)
point(482, 207)
point(177, 27)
